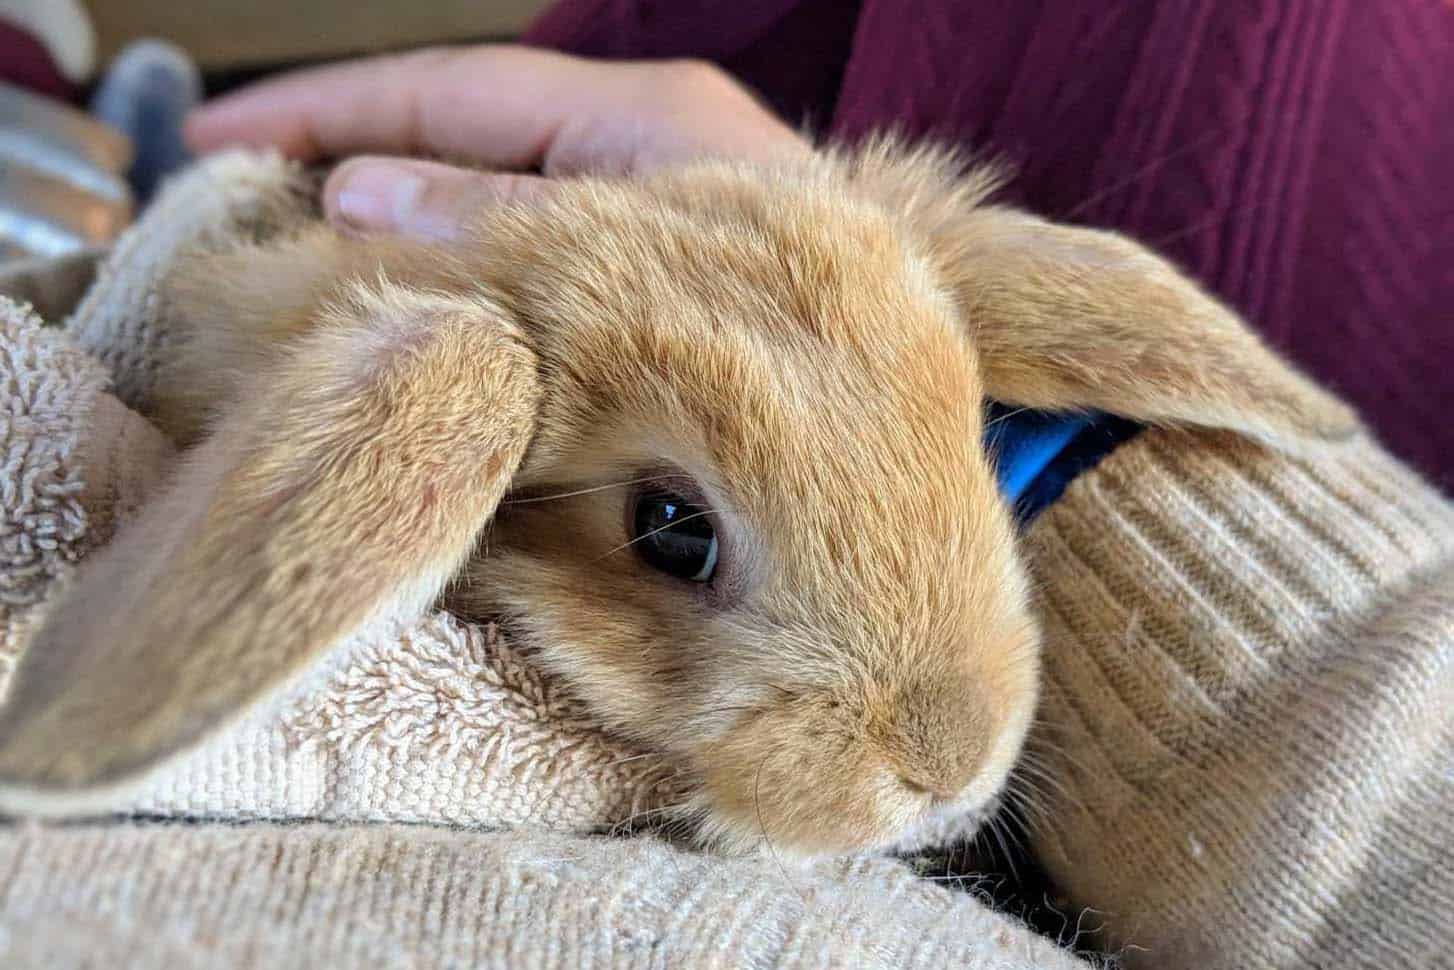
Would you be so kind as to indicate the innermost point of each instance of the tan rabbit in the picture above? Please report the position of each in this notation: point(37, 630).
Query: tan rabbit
point(709, 441)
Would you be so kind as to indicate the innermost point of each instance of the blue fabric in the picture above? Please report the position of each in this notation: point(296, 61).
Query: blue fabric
point(1025, 442)
point(1037, 454)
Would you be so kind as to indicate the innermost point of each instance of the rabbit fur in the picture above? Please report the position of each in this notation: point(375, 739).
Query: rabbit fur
point(804, 348)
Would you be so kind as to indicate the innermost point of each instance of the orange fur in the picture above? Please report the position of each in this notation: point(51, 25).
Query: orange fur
point(810, 344)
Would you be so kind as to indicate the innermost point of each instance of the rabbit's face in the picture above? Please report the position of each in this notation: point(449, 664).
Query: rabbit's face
point(757, 528)
point(736, 416)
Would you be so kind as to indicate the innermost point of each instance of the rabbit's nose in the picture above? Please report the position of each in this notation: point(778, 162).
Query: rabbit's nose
point(936, 788)
point(942, 770)
point(938, 738)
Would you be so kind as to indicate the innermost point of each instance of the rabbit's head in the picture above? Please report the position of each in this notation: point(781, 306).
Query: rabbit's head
point(732, 420)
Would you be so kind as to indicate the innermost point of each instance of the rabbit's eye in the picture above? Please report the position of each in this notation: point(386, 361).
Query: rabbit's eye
point(674, 536)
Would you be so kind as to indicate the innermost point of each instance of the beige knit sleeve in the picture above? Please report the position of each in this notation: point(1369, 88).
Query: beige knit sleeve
point(147, 896)
point(1250, 706)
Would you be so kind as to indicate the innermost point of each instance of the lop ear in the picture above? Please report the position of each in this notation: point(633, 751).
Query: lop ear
point(1069, 318)
point(348, 485)
point(1065, 318)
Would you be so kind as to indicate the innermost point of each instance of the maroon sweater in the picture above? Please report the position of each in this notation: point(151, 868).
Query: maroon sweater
point(1297, 156)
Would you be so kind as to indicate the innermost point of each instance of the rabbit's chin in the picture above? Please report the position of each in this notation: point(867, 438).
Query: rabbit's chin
point(948, 825)
point(724, 834)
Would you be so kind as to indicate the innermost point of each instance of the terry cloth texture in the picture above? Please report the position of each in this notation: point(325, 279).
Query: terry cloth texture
point(1293, 155)
point(1244, 749)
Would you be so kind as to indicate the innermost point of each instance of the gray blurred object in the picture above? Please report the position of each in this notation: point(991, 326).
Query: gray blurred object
point(46, 215)
point(62, 187)
point(52, 137)
point(146, 93)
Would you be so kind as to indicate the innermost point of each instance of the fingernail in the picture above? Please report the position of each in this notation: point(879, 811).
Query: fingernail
point(378, 195)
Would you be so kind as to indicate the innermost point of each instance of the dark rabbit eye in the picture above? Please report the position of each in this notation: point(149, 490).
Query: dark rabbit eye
point(674, 536)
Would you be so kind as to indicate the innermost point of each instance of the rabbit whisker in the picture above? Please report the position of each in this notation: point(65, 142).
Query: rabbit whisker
point(634, 757)
point(995, 826)
point(1004, 417)
point(1141, 173)
point(767, 840)
point(669, 525)
point(625, 824)
point(588, 491)
point(1198, 225)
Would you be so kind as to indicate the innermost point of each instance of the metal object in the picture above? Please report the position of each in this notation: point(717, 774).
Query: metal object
point(47, 216)
point(61, 184)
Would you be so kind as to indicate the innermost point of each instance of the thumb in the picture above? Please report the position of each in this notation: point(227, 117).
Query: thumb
point(417, 198)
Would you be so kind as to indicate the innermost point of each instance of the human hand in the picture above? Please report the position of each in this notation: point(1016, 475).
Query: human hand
point(516, 110)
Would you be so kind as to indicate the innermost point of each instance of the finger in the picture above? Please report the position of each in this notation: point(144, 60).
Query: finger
point(495, 105)
point(423, 199)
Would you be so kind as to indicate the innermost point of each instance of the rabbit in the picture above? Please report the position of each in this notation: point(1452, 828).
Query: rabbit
point(708, 441)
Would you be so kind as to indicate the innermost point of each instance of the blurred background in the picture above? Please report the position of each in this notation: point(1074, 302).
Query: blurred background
point(92, 93)
point(225, 36)
point(1293, 157)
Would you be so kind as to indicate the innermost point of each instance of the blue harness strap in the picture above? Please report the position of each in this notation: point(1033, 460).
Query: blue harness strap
point(1037, 454)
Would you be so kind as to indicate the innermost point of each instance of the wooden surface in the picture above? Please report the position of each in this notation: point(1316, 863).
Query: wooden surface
point(226, 34)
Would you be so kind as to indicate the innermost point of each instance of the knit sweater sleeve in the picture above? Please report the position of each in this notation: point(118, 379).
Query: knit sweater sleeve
point(1250, 705)
point(149, 896)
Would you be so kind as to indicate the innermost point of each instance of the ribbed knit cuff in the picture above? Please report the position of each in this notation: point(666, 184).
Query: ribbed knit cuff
point(1250, 705)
